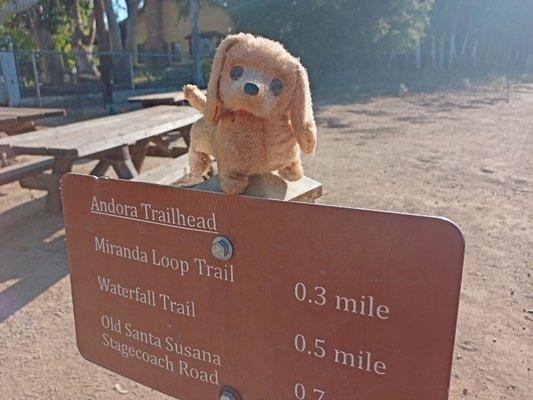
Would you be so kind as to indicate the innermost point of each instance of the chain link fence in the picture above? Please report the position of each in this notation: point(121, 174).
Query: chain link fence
point(48, 76)
point(71, 79)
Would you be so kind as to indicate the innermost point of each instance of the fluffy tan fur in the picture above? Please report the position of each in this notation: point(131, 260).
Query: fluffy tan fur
point(252, 134)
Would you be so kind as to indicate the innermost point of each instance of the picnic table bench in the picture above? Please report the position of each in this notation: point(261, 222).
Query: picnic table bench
point(16, 172)
point(119, 141)
point(15, 120)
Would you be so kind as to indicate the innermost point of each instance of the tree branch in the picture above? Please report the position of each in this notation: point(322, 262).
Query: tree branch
point(92, 30)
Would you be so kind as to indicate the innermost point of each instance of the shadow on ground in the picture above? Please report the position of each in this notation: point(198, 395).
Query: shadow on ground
point(34, 242)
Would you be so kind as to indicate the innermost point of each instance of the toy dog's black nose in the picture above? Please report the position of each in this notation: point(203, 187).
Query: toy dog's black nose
point(251, 88)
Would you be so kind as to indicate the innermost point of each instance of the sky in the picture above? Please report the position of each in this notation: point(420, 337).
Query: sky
point(120, 9)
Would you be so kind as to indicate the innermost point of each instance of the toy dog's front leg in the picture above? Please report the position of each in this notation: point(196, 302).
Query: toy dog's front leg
point(199, 163)
point(233, 182)
point(201, 148)
point(292, 172)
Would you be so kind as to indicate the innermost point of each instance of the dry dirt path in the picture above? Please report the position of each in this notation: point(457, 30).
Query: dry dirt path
point(465, 156)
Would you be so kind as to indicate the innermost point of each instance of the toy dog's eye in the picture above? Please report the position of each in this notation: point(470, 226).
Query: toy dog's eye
point(236, 72)
point(276, 86)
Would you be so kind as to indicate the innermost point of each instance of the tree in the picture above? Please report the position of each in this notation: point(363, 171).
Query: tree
point(481, 34)
point(106, 63)
point(12, 7)
point(83, 36)
point(60, 25)
point(154, 15)
point(121, 61)
point(115, 39)
point(131, 25)
point(195, 42)
point(42, 21)
point(336, 35)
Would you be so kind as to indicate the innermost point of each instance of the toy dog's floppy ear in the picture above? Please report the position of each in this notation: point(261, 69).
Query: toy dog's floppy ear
point(213, 109)
point(301, 110)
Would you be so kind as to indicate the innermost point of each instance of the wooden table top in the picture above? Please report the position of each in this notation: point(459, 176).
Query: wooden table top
point(8, 114)
point(93, 136)
point(159, 98)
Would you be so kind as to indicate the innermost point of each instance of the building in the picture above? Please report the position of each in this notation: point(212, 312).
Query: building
point(162, 27)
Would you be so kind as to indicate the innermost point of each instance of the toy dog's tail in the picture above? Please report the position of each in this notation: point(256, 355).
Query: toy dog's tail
point(195, 96)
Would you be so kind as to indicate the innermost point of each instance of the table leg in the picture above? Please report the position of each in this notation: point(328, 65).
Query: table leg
point(53, 199)
point(125, 170)
point(119, 158)
point(186, 134)
point(100, 168)
point(5, 156)
point(138, 153)
point(122, 163)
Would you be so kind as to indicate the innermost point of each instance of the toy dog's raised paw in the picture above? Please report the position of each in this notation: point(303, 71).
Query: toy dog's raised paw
point(307, 141)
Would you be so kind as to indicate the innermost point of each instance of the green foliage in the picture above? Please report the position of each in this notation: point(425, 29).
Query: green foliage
point(55, 14)
point(338, 36)
point(403, 90)
point(62, 38)
point(334, 34)
point(15, 35)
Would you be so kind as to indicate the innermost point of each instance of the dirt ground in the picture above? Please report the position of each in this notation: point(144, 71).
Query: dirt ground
point(466, 155)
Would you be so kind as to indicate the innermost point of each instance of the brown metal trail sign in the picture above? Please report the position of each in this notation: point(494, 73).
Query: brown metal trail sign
point(313, 302)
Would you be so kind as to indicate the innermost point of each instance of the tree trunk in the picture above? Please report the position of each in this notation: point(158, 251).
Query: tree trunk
point(473, 54)
point(452, 52)
point(154, 15)
point(417, 54)
point(452, 55)
point(465, 41)
point(106, 63)
point(82, 43)
point(115, 39)
point(195, 42)
point(53, 66)
point(529, 62)
point(131, 26)
point(433, 52)
point(441, 52)
point(121, 69)
point(390, 63)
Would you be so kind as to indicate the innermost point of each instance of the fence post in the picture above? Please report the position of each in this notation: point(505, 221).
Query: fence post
point(132, 76)
point(9, 78)
point(36, 76)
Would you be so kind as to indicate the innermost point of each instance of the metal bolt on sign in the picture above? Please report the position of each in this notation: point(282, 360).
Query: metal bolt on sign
point(228, 393)
point(221, 248)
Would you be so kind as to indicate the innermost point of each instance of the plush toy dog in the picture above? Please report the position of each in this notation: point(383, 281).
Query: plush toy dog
point(257, 115)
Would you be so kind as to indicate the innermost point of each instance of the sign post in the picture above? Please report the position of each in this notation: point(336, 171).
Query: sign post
point(200, 294)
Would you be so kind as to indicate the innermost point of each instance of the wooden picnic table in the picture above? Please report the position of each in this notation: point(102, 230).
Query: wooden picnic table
point(15, 120)
point(156, 99)
point(118, 141)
